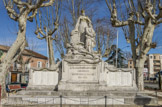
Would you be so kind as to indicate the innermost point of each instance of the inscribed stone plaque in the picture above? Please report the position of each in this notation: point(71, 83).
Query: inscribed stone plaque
point(119, 79)
point(83, 72)
point(45, 78)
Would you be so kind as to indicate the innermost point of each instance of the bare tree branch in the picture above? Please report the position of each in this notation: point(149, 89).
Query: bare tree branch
point(12, 13)
point(160, 11)
point(50, 3)
point(148, 9)
point(41, 4)
point(39, 30)
point(159, 21)
point(18, 2)
point(30, 18)
point(109, 6)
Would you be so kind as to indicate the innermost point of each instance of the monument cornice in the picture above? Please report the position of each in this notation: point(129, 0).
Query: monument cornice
point(83, 60)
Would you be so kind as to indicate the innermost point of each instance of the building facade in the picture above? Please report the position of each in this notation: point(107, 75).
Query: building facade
point(130, 63)
point(19, 70)
point(153, 64)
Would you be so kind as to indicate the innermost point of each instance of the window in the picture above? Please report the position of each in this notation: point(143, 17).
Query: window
point(130, 62)
point(27, 67)
point(154, 57)
point(160, 57)
point(156, 62)
point(130, 66)
point(39, 64)
point(47, 65)
point(150, 57)
point(14, 66)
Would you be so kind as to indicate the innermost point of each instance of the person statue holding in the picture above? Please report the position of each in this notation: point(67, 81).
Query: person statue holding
point(90, 38)
point(83, 35)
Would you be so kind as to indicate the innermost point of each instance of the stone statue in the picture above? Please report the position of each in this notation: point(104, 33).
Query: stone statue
point(83, 35)
point(83, 41)
point(90, 38)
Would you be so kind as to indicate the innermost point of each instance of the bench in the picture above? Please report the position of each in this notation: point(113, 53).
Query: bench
point(14, 87)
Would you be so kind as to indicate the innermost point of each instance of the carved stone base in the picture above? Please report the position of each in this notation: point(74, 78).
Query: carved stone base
point(90, 75)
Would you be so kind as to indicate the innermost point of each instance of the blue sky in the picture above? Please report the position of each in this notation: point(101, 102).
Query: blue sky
point(8, 29)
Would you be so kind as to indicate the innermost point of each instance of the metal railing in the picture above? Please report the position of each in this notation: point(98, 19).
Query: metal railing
point(62, 100)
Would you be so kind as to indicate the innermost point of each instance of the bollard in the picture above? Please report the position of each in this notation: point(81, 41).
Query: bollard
point(60, 100)
point(0, 94)
point(105, 101)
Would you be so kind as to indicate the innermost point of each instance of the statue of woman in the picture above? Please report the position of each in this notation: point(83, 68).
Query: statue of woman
point(83, 33)
point(82, 23)
point(90, 38)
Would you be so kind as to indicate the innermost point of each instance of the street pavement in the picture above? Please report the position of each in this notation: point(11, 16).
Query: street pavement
point(157, 94)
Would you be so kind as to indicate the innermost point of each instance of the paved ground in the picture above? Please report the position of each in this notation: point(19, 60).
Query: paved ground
point(157, 94)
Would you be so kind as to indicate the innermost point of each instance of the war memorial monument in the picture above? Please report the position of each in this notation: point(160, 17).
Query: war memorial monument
point(82, 77)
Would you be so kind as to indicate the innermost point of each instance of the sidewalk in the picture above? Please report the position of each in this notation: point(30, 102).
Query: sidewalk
point(157, 94)
point(153, 92)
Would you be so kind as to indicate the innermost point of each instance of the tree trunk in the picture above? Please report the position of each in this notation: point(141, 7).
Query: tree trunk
point(139, 73)
point(13, 53)
point(50, 51)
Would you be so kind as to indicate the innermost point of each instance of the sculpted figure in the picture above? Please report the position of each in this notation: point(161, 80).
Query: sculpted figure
point(90, 38)
point(79, 31)
point(83, 35)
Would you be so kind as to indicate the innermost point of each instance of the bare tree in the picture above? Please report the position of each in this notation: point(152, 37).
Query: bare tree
point(20, 11)
point(47, 26)
point(142, 16)
point(63, 38)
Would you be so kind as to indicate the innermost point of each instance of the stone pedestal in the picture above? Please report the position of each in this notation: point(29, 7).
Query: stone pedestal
point(79, 76)
point(82, 75)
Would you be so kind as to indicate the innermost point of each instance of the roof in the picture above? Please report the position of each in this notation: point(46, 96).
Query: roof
point(26, 52)
point(130, 59)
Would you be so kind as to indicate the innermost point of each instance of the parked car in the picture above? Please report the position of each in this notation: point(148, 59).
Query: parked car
point(157, 74)
point(24, 85)
point(153, 78)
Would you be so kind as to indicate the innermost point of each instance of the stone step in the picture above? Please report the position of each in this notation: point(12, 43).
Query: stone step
point(83, 100)
point(70, 93)
point(49, 105)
